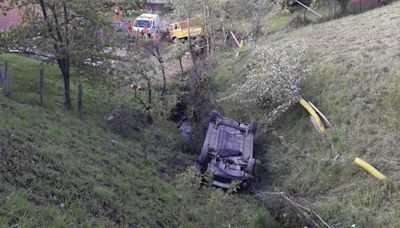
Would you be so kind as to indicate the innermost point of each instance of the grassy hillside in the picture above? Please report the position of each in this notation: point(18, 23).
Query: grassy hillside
point(59, 171)
point(356, 83)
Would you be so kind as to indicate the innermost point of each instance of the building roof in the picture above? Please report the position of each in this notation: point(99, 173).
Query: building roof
point(13, 17)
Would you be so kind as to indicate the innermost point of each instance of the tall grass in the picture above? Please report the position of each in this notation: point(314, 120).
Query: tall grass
point(357, 85)
point(59, 171)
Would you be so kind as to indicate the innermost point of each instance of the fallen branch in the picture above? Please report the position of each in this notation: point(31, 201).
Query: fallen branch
point(308, 8)
point(234, 37)
point(306, 212)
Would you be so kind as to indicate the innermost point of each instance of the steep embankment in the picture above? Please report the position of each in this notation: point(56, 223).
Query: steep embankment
point(59, 171)
point(356, 83)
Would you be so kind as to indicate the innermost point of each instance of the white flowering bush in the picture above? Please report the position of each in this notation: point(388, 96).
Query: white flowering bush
point(272, 84)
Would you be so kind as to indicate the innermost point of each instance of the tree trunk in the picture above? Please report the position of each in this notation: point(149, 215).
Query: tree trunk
point(190, 43)
point(206, 13)
point(41, 86)
point(64, 66)
point(333, 9)
point(161, 62)
point(6, 91)
point(61, 44)
point(80, 97)
point(67, 91)
point(224, 32)
point(149, 100)
point(194, 64)
point(343, 5)
point(180, 64)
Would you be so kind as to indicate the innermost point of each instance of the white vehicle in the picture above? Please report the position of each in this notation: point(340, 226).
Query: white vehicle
point(151, 22)
point(161, 2)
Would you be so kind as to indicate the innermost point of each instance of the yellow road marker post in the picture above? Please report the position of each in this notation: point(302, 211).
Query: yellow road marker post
point(315, 119)
point(369, 168)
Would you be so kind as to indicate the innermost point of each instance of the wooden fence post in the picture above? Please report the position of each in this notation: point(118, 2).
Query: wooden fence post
point(80, 96)
point(6, 91)
point(41, 85)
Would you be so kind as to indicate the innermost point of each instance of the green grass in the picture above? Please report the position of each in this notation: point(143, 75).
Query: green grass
point(276, 21)
point(59, 171)
point(356, 84)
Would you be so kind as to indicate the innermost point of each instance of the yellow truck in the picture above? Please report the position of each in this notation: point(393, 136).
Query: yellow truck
point(179, 31)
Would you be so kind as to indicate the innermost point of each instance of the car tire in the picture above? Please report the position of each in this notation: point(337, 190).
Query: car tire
point(245, 184)
point(203, 161)
point(253, 127)
point(250, 166)
point(213, 116)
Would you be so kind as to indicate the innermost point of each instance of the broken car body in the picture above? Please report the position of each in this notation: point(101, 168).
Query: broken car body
point(227, 151)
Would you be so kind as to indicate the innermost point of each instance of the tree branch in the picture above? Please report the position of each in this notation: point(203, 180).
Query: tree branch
point(31, 53)
point(147, 107)
point(46, 19)
point(306, 212)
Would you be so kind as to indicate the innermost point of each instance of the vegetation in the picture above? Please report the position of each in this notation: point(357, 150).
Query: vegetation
point(60, 30)
point(123, 162)
point(59, 171)
point(272, 84)
point(355, 83)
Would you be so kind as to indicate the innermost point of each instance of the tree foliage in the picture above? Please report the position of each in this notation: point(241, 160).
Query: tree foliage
point(65, 31)
point(272, 84)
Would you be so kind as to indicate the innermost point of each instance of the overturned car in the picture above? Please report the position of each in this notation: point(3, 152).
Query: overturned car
point(227, 151)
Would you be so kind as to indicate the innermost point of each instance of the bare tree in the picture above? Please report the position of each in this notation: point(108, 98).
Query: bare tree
point(155, 52)
point(177, 51)
point(136, 73)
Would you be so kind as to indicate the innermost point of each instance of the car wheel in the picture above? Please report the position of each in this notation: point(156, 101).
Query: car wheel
point(245, 184)
point(203, 161)
point(213, 116)
point(253, 127)
point(250, 166)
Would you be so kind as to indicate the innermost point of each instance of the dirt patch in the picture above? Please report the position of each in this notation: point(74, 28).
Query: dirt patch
point(173, 69)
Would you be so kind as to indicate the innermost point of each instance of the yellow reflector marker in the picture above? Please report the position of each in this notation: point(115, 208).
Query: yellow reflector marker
point(374, 172)
point(315, 117)
point(240, 48)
